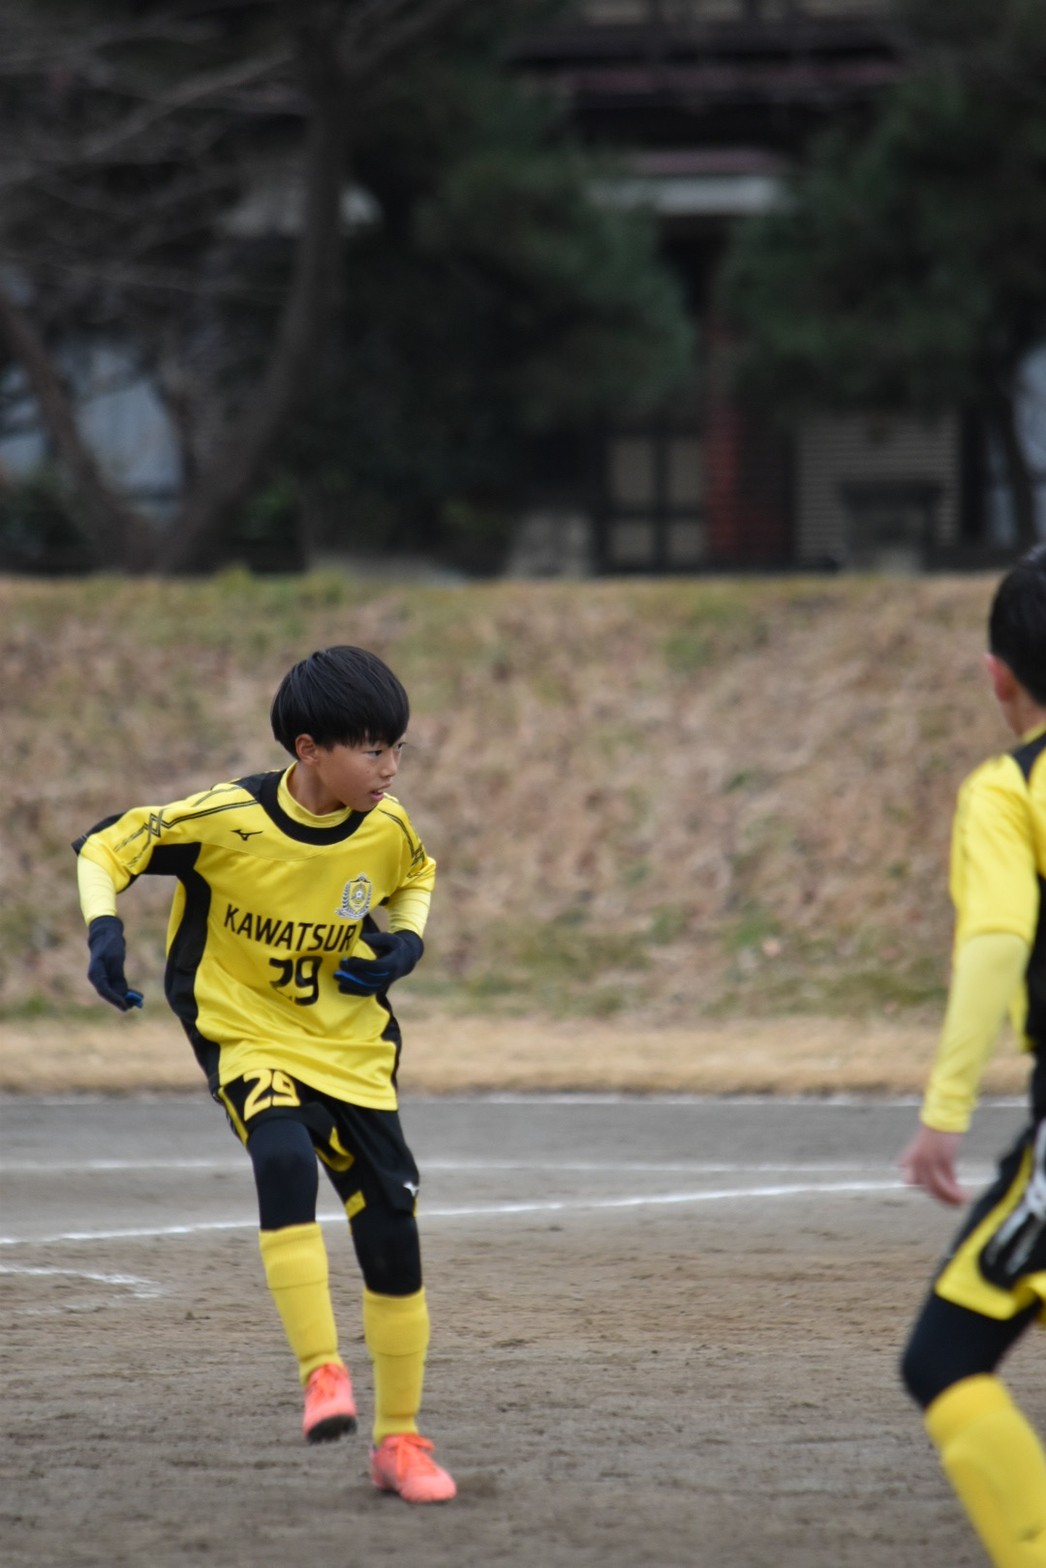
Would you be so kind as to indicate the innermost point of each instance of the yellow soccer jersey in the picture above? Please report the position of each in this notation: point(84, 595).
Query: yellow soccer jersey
point(268, 902)
point(998, 867)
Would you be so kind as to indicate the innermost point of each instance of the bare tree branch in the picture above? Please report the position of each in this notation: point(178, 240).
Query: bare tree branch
point(406, 23)
point(234, 470)
point(333, 51)
point(196, 91)
point(116, 531)
point(189, 94)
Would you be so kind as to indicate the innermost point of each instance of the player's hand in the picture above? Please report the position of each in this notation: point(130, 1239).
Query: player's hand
point(395, 954)
point(929, 1162)
point(105, 938)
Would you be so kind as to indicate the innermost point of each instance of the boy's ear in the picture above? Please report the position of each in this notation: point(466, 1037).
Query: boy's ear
point(305, 748)
point(1004, 682)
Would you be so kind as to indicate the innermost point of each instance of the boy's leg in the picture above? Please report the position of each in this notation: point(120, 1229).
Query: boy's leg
point(989, 1452)
point(395, 1328)
point(996, 1465)
point(295, 1260)
point(396, 1331)
point(395, 1312)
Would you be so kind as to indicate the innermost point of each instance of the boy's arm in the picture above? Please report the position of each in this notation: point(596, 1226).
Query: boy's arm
point(409, 909)
point(397, 951)
point(408, 905)
point(109, 858)
point(988, 970)
point(105, 936)
point(97, 889)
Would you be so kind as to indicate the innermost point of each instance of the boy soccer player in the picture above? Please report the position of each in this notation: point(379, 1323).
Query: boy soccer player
point(280, 975)
point(992, 1284)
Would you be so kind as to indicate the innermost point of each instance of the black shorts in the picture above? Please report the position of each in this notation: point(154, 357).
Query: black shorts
point(997, 1264)
point(364, 1150)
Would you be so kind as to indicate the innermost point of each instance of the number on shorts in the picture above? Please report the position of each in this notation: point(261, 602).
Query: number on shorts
point(271, 1087)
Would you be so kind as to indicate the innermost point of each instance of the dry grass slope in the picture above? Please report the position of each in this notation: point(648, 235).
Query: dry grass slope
point(666, 806)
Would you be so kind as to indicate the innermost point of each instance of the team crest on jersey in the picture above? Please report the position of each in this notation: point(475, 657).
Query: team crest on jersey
point(355, 898)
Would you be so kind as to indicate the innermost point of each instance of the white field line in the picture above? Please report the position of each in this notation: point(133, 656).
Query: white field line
point(142, 1289)
point(489, 1210)
point(828, 1102)
point(139, 1288)
point(575, 1167)
point(103, 1167)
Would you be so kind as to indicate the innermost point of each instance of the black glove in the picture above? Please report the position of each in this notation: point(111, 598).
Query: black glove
point(105, 971)
point(395, 954)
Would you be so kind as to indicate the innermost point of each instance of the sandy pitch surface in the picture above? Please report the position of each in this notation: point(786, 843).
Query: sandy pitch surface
point(665, 1335)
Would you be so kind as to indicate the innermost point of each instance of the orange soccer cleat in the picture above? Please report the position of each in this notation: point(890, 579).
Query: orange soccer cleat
point(401, 1464)
point(330, 1409)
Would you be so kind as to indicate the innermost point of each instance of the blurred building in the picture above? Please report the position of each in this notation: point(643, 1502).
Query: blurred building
point(705, 103)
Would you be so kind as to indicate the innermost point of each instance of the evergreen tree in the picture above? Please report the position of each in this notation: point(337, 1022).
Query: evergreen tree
point(403, 366)
point(906, 267)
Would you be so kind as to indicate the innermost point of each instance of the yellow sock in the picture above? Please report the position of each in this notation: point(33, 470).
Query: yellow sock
point(295, 1260)
point(997, 1466)
point(396, 1329)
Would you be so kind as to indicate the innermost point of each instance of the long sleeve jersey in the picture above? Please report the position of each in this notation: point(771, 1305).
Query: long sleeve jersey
point(269, 898)
point(998, 877)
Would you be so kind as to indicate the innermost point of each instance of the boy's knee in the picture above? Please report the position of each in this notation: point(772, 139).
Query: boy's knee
point(950, 1343)
point(389, 1251)
point(920, 1379)
point(285, 1172)
point(281, 1144)
point(935, 1358)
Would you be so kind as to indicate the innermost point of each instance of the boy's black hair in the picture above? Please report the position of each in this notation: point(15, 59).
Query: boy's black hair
point(1017, 622)
point(341, 696)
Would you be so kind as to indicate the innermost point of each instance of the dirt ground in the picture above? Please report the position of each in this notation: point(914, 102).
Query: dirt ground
point(665, 1333)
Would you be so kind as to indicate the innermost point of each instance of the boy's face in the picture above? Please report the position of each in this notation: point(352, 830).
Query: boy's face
point(353, 776)
point(1004, 687)
point(1019, 707)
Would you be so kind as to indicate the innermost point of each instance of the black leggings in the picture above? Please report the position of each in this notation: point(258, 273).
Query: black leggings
point(286, 1175)
point(949, 1343)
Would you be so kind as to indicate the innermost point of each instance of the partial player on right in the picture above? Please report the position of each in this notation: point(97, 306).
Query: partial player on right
point(991, 1286)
